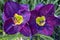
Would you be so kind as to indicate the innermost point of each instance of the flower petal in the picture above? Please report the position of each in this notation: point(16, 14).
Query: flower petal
point(33, 18)
point(4, 17)
point(33, 30)
point(32, 22)
point(9, 27)
point(24, 11)
point(24, 7)
point(47, 10)
point(26, 17)
point(25, 30)
point(10, 8)
point(47, 30)
point(53, 21)
point(38, 6)
point(42, 30)
point(58, 20)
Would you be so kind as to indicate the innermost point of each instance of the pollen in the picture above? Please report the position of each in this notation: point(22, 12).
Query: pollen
point(41, 20)
point(18, 19)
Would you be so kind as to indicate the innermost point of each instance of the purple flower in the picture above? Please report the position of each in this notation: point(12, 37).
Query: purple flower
point(43, 19)
point(15, 18)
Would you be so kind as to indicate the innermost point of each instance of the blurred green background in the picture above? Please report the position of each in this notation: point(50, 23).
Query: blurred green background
point(32, 4)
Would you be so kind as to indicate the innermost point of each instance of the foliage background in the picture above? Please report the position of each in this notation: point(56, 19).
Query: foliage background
point(32, 4)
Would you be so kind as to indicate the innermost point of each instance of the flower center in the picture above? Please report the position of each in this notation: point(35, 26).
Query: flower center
point(40, 20)
point(18, 19)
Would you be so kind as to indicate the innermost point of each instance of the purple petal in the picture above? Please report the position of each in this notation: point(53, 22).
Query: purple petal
point(24, 11)
point(38, 6)
point(9, 27)
point(10, 8)
point(57, 16)
point(4, 17)
point(33, 30)
point(32, 22)
point(24, 7)
point(33, 18)
point(26, 17)
point(25, 30)
point(53, 21)
point(58, 20)
point(47, 30)
point(47, 10)
point(34, 14)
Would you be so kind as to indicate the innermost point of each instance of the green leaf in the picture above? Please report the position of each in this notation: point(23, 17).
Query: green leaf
point(44, 37)
point(23, 1)
point(2, 1)
point(55, 1)
point(58, 9)
point(9, 37)
point(33, 4)
point(14, 0)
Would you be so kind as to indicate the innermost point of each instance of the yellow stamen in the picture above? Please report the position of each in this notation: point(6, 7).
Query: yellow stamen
point(40, 20)
point(18, 19)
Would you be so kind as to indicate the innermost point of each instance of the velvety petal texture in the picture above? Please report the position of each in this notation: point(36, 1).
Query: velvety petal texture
point(25, 30)
point(53, 21)
point(46, 30)
point(29, 26)
point(4, 17)
point(10, 9)
point(22, 9)
point(9, 27)
point(48, 12)
point(32, 22)
point(38, 6)
point(58, 20)
point(26, 15)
